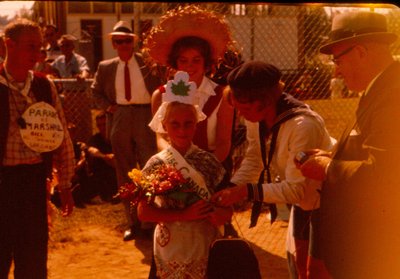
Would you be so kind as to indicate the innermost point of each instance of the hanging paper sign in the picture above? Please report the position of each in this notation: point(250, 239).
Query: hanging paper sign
point(40, 128)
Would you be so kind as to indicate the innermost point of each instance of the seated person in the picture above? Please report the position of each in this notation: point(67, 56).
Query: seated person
point(81, 191)
point(95, 169)
point(70, 64)
point(101, 161)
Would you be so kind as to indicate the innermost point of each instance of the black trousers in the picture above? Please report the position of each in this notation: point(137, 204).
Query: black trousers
point(23, 221)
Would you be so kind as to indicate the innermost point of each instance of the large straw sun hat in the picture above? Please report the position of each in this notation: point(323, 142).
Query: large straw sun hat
point(183, 22)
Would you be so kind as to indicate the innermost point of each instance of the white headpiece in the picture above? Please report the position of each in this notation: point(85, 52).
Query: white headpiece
point(178, 90)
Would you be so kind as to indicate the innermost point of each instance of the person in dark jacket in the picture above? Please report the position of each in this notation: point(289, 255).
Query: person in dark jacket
point(360, 212)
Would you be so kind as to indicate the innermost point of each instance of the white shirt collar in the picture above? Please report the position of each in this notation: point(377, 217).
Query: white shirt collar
point(121, 62)
point(10, 82)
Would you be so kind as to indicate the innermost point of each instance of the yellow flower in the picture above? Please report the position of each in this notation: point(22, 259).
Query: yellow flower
point(135, 175)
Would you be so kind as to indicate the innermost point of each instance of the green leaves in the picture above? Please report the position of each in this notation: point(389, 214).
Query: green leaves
point(180, 88)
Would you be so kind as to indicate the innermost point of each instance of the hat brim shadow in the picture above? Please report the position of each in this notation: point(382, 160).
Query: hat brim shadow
point(383, 37)
point(121, 34)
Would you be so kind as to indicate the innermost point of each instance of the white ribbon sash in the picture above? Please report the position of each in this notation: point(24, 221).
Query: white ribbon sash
point(172, 157)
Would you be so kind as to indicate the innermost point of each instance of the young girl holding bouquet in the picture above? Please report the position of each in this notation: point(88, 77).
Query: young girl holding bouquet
point(187, 223)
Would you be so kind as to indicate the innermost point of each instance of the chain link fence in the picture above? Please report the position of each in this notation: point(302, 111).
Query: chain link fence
point(288, 36)
point(76, 98)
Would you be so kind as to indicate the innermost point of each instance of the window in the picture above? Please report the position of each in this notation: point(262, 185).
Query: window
point(103, 7)
point(78, 7)
point(239, 9)
point(127, 8)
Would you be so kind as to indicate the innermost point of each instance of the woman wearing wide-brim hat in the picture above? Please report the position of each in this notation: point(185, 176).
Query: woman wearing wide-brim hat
point(191, 39)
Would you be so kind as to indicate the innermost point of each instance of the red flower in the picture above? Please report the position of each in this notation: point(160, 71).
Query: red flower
point(166, 180)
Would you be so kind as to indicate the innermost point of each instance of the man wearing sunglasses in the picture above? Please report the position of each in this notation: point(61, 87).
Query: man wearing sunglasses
point(360, 213)
point(122, 86)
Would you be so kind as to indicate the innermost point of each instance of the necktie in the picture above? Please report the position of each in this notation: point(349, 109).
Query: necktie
point(257, 205)
point(127, 82)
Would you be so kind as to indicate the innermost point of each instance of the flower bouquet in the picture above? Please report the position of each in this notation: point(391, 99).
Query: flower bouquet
point(164, 181)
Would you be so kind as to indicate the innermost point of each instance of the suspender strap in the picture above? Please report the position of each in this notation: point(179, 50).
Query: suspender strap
point(41, 89)
point(257, 205)
point(200, 137)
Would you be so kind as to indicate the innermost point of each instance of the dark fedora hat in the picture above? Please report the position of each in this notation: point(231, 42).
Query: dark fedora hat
point(122, 28)
point(356, 27)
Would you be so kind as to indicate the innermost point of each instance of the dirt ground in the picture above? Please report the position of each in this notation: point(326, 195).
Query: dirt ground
point(88, 245)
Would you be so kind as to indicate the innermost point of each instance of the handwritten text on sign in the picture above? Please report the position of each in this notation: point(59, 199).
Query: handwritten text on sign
point(44, 131)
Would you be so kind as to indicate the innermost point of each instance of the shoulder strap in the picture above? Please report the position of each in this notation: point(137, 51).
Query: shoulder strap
point(257, 205)
point(200, 138)
point(41, 89)
point(213, 101)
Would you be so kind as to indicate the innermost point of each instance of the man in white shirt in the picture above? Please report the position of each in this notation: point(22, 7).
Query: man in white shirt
point(122, 86)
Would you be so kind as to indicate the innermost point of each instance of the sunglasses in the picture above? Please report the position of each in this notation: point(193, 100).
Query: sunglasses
point(121, 41)
point(344, 52)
